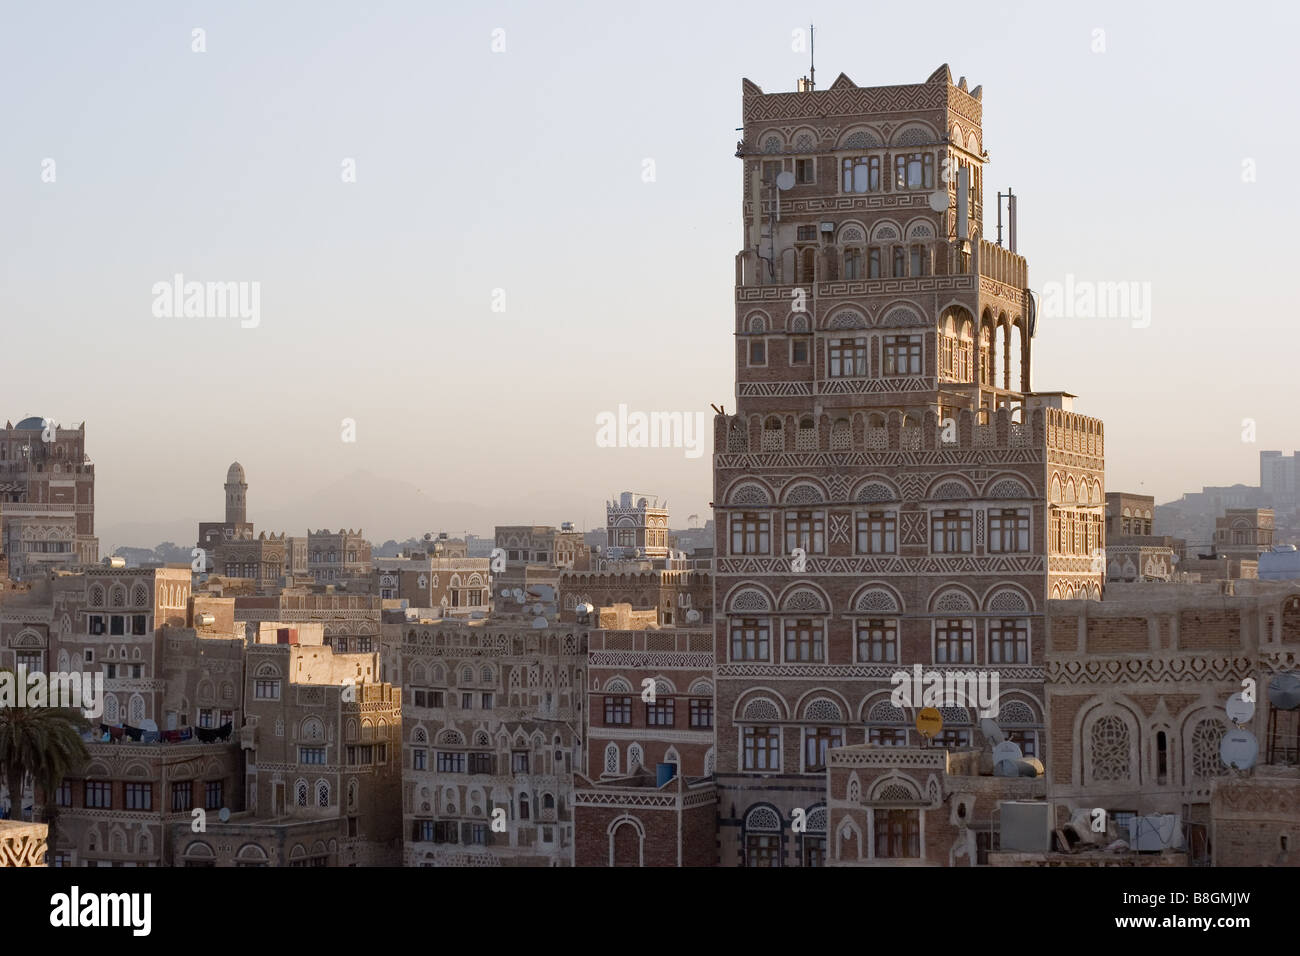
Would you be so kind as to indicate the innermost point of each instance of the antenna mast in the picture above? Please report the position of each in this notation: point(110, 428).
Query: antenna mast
point(812, 58)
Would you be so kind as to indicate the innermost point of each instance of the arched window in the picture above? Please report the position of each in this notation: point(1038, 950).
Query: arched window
point(322, 793)
point(1110, 750)
point(611, 759)
point(523, 806)
point(301, 793)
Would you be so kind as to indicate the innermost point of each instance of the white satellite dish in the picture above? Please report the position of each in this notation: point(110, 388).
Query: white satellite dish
point(692, 616)
point(518, 592)
point(1238, 749)
point(1239, 709)
point(939, 200)
point(224, 815)
point(519, 598)
point(540, 622)
point(784, 181)
point(993, 734)
point(1007, 750)
point(1284, 690)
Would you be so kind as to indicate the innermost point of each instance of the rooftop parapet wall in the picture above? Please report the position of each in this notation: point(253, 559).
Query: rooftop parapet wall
point(844, 98)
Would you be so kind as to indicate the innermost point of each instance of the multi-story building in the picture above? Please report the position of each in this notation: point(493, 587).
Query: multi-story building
point(350, 622)
point(334, 557)
point(47, 497)
point(233, 549)
point(1133, 552)
point(679, 597)
point(1279, 479)
point(889, 491)
point(322, 747)
point(635, 526)
point(493, 731)
point(1244, 533)
point(1136, 694)
point(454, 586)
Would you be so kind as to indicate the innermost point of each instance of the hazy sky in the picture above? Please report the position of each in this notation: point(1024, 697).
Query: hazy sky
point(522, 171)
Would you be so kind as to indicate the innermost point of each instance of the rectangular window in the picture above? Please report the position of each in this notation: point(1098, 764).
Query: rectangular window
point(950, 531)
point(212, 794)
point(762, 748)
point(435, 698)
point(1008, 530)
point(98, 795)
point(817, 741)
point(444, 831)
point(659, 713)
point(467, 701)
point(920, 261)
point(117, 624)
point(424, 831)
point(954, 642)
point(877, 642)
point(419, 759)
point(804, 641)
point(873, 262)
point(618, 710)
point(806, 233)
point(315, 755)
point(481, 763)
point(63, 795)
point(139, 796)
point(898, 833)
point(853, 264)
point(205, 718)
point(758, 352)
point(805, 170)
point(97, 624)
point(701, 714)
point(887, 736)
point(805, 529)
point(182, 795)
point(486, 700)
point(266, 689)
point(861, 174)
point(799, 352)
point(902, 355)
point(847, 358)
point(519, 761)
point(914, 171)
point(478, 834)
point(449, 762)
point(751, 533)
point(900, 262)
point(137, 623)
point(750, 640)
point(876, 532)
point(1008, 642)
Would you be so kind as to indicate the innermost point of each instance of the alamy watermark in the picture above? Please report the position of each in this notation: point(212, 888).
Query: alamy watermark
point(935, 688)
point(1085, 299)
point(179, 299)
point(624, 429)
point(67, 689)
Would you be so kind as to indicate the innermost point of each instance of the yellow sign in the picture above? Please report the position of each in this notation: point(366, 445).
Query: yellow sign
point(929, 721)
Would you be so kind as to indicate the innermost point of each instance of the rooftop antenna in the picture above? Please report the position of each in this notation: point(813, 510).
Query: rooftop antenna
point(812, 58)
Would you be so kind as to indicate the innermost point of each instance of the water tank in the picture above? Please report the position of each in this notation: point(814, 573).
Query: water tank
point(114, 562)
point(664, 772)
point(206, 619)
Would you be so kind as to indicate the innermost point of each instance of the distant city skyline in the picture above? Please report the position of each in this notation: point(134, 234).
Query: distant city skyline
point(391, 183)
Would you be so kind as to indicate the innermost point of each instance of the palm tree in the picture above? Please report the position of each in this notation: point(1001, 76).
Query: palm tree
point(46, 743)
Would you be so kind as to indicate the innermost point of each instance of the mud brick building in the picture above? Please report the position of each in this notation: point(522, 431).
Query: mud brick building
point(889, 489)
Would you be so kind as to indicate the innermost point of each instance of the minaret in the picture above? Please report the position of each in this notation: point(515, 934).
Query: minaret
point(236, 495)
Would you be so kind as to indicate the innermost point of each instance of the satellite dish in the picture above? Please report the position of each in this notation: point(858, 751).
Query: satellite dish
point(929, 721)
point(540, 622)
point(692, 616)
point(1284, 690)
point(1238, 749)
point(1008, 751)
point(1239, 709)
point(519, 598)
point(519, 593)
point(224, 815)
point(784, 181)
point(993, 733)
point(939, 200)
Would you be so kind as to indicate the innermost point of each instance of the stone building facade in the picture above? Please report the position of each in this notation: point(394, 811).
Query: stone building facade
point(889, 491)
point(47, 498)
point(493, 730)
point(635, 526)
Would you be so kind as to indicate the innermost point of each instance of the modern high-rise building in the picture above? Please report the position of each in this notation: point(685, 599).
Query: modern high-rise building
point(47, 497)
point(890, 491)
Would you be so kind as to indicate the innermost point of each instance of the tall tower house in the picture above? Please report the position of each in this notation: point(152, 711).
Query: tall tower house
point(889, 490)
